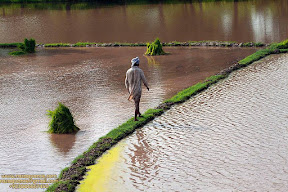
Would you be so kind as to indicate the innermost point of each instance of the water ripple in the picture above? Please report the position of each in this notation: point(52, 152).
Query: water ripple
point(232, 137)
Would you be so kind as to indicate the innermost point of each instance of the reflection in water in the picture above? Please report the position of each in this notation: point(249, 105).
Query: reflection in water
point(63, 142)
point(90, 81)
point(141, 162)
point(240, 21)
point(152, 61)
point(231, 137)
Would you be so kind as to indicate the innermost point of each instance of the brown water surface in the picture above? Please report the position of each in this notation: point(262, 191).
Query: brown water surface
point(231, 137)
point(243, 21)
point(90, 81)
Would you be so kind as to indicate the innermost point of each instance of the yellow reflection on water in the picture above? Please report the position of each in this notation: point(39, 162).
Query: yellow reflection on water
point(97, 179)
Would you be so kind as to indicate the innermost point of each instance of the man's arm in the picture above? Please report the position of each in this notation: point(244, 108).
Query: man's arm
point(144, 80)
point(127, 82)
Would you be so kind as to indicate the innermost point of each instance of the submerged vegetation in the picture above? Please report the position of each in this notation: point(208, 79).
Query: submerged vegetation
point(61, 120)
point(155, 48)
point(27, 47)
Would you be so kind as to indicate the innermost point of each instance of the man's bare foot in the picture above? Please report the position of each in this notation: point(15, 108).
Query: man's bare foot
point(136, 119)
point(140, 115)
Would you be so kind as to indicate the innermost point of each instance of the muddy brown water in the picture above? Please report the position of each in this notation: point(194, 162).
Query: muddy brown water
point(90, 81)
point(231, 137)
point(243, 21)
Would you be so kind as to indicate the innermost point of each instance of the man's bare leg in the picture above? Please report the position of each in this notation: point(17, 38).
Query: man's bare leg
point(139, 109)
point(136, 110)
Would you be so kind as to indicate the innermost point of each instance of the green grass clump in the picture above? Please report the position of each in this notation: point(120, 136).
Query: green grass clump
point(155, 48)
point(28, 46)
point(61, 120)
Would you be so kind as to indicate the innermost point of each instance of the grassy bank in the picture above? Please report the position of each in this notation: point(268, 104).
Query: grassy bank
point(173, 43)
point(125, 44)
point(70, 176)
point(10, 45)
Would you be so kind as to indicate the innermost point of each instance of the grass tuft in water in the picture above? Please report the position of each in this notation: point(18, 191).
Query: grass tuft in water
point(28, 46)
point(61, 120)
point(155, 48)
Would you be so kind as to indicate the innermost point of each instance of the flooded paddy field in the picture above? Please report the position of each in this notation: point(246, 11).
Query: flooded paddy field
point(231, 137)
point(90, 81)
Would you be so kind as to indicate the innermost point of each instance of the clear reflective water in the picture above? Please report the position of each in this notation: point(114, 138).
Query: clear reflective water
point(90, 81)
point(243, 21)
point(232, 137)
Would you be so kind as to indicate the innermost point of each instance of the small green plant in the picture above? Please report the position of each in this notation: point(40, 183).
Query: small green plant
point(61, 120)
point(155, 48)
point(28, 46)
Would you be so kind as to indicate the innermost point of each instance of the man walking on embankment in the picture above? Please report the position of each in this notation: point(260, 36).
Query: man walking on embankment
point(133, 81)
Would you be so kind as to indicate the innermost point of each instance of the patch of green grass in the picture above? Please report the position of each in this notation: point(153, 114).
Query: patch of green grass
point(129, 126)
point(77, 158)
point(69, 186)
point(247, 44)
point(10, 45)
point(155, 48)
point(255, 56)
point(259, 44)
point(82, 44)
point(62, 172)
point(58, 45)
point(281, 45)
point(252, 44)
point(54, 186)
point(190, 91)
point(283, 50)
point(61, 120)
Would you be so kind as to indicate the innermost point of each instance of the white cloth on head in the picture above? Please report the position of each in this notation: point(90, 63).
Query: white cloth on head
point(134, 61)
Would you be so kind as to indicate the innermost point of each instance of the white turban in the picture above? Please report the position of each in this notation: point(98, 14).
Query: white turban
point(134, 61)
